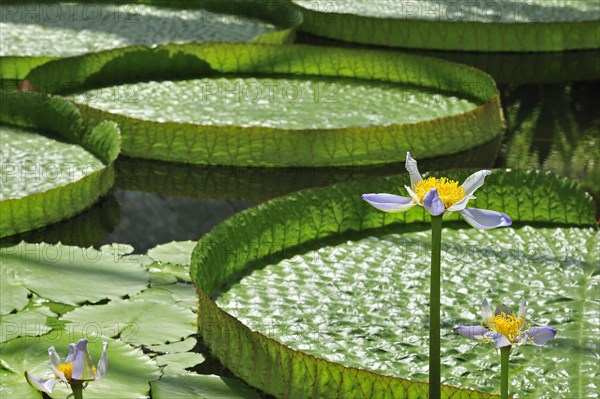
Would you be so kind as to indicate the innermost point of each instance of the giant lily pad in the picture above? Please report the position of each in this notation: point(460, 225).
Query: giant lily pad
point(48, 179)
point(83, 230)
point(364, 303)
point(129, 369)
point(330, 217)
point(539, 25)
point(505, 67)
point(439, 108)
point(42, 162)
point(13, 295)
point(38, 32)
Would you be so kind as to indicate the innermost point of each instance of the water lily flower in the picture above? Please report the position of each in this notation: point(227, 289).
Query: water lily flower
point(505, 329)
point(441, 195)
point(76, 370)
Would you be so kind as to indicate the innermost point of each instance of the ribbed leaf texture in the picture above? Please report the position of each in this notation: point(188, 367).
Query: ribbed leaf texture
point(19, 214)
point(268, 146)
point(277, 227)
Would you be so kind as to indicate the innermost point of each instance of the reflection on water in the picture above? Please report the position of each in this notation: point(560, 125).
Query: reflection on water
point(151, 219)
point(85, 229)
point(260, 184)
point(554, 127)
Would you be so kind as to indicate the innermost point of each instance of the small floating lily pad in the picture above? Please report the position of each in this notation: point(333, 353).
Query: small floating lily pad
point(177, 363)
point(73, 275)
point(13, 296)
point(129, 369)
point(32, 321)
point(146, 319)
point(174, 253)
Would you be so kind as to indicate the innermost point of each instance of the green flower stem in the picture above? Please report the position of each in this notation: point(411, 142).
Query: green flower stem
point(434, 309)
point(77, 387)
point(504, 354)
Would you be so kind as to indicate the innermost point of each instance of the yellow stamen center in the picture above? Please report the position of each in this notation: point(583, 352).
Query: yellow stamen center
point(508, 325)
point(66, 369)
point(448, 190)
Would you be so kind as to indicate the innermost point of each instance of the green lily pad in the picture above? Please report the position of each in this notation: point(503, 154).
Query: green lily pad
point(160, 278)
point(50, 179)
point(40, 163)
point(200, 386)
point(32, 321)
point(73, 275)
point(259, 84)
point(538, 25)
point(336, 217)
point(308, 103)
point(13, 296)
point(172, 264)
point(175, 253)
point(146, 319)
point(129, 370)
point(183, 294)
point(177, 363)
point(174, 347)
point(363, 303)
point(15, 386)
point(39, 32)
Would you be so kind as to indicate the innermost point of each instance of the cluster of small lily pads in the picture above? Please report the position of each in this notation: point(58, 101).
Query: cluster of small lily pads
point(140, 293)
point(502, 328)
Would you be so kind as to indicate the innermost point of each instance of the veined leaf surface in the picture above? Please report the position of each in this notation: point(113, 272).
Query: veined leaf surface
point(34, 163)
point(48, 179)
point(364, 303)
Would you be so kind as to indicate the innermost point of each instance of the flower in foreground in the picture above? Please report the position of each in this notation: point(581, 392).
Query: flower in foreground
point(76, 370)
point(505, 329)
point(440, 195)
